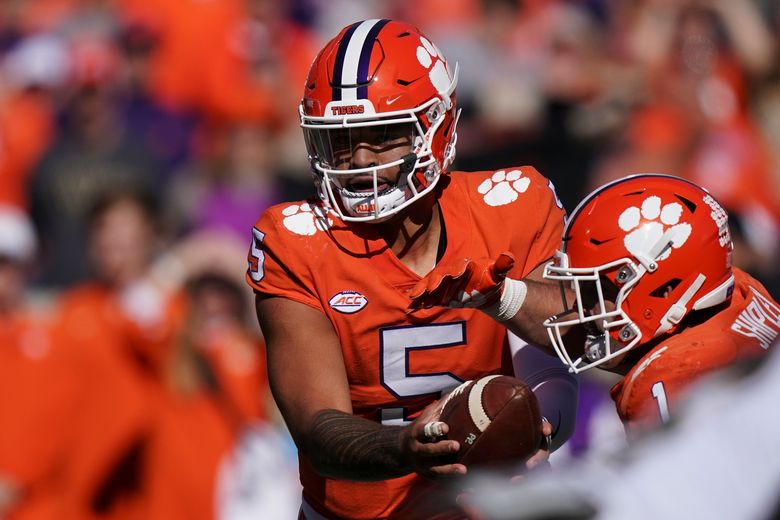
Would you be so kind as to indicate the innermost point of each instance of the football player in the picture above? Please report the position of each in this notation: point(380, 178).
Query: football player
point(649, 260)
point(355, 369)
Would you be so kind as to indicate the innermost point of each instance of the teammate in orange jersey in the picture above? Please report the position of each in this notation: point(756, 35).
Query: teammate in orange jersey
point(649, 258)
point(354, 365)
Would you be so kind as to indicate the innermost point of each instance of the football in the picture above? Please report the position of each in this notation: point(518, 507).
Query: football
point(495, 419)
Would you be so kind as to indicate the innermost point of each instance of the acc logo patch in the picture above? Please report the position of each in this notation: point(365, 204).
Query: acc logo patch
point(348, 302)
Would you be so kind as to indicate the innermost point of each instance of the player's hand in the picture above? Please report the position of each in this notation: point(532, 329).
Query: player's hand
point(424, 450)
point(540, 459)
point(466, 283)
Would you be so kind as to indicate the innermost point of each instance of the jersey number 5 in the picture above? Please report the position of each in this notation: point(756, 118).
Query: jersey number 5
point(395, 346)
point(256, 256)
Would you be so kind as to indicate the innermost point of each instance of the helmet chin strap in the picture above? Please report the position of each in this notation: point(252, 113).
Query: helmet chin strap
point(677, 311)
point(395, 196)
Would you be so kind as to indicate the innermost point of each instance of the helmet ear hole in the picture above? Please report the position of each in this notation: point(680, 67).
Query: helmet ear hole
point(663, 290)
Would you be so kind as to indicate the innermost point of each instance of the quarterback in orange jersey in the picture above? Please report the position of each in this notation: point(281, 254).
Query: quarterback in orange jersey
point(649, 259)
point(345, 284)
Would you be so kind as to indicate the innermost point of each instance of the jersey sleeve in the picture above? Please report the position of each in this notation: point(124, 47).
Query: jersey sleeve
point(276, 265)
point(652, 392)
point(545, 218)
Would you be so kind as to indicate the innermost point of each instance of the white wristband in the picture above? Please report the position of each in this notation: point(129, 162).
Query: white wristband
point(512, 297)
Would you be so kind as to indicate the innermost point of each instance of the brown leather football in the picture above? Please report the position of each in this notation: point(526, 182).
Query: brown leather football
point(495, 419)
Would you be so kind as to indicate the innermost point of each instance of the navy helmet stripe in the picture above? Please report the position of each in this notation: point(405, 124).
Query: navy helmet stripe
point(338, 67)
point(365, 59)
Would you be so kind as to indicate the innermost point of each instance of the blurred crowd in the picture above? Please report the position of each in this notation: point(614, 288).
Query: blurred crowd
point(140, 140)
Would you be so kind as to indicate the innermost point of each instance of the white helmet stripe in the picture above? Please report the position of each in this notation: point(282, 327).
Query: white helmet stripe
point(349, 71)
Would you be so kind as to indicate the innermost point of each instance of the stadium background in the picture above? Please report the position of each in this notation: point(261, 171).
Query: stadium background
point(143, 138)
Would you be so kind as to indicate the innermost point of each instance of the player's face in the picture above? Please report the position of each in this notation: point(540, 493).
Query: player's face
point(367, 147)
point(121, 243)
point(595, 331)
point(593, 304)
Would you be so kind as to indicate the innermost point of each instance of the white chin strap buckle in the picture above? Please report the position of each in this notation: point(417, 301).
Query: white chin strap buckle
point(679, 309)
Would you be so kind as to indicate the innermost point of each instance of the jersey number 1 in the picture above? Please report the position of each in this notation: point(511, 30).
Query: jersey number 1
point(659, 394)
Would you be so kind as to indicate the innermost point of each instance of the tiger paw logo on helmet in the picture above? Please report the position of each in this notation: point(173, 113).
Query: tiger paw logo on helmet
point(433, 60)
point(660, 220)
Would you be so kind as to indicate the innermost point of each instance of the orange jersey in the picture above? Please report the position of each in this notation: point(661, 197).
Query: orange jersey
point(653, 387)
point(37, 401)
point(189, 440)
point(398, 363)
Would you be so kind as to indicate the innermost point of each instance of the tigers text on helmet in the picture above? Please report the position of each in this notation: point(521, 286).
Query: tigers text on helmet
point(657, 246)
point(378, 83)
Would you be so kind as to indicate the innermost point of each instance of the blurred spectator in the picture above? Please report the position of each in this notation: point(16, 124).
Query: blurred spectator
point(217, 388)
point(125, 236)
point(166, 133)
point(119, 330)
point(186, 367)
point(531, 65)
point(32, 70)
point(35, 385)
point(244, 54)
point(40, 15)
point(258, 478)
point(91, 152)
point(694, 119)
point(235, 179)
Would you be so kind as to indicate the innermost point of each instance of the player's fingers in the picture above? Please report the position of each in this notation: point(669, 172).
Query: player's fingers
point(448, 290)
point(432, 431)
point(432, 450)
point(460, 268)
point(445, 275)
point(440, 286)
point(539, 464)
point(503, 264)
point(417, 291)
point(547, 428)
point(547, 434)
point(425, 285)
point(447, 470)
point(425, 301)
point(425, 293)
point(438, 293)
point(420, 295)
point(538, 460)
point(431, 412)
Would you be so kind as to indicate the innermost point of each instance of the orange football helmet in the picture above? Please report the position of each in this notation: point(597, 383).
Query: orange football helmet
point(384, 77)
point(657, 247)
